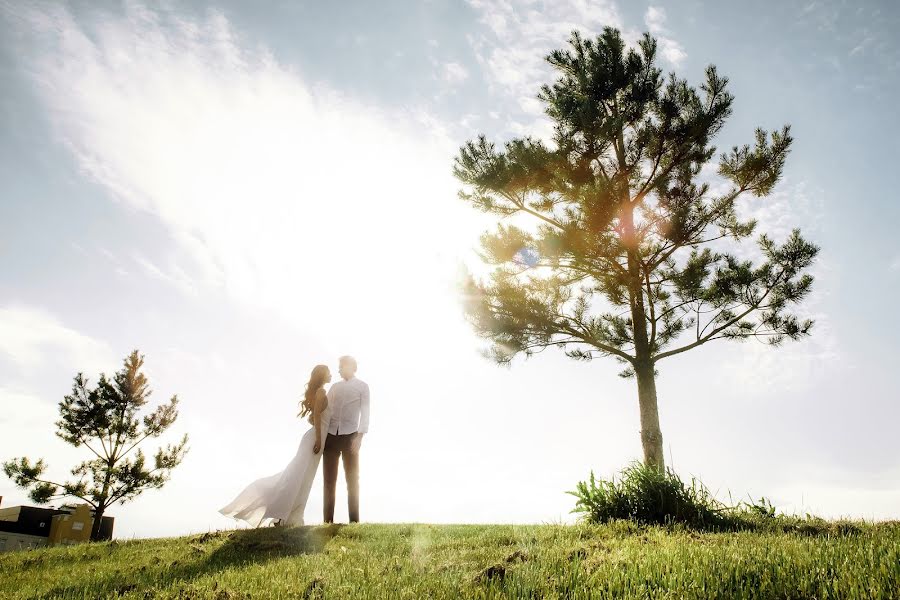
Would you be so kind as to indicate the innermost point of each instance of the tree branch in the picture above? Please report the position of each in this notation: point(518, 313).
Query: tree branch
point(658, 259)
point(520, 204)
point(130, 448)
point(707, 337)
point(82, 441)
point(62, 487)
point(586, 338)
point(650, 303)
point(650, 179)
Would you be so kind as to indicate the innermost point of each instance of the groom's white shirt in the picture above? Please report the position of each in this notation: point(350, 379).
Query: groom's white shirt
point(349, 403)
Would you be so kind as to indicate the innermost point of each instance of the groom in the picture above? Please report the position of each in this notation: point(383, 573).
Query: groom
point(349, 404)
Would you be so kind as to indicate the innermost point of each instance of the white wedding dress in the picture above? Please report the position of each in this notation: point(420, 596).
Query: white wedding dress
point(282, 495)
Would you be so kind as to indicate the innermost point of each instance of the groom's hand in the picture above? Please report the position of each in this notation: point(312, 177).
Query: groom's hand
point(356, 442)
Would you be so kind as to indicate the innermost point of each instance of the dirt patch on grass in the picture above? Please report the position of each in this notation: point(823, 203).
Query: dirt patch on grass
point(493, 572)
point(517, 556)
point(315, 588)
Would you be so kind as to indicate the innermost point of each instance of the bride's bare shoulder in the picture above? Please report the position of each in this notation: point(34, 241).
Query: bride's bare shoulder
point(321, 397)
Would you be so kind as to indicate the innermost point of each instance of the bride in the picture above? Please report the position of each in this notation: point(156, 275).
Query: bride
point(281, 498)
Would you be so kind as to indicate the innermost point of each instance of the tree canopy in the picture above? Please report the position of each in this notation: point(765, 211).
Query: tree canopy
point(612, 240)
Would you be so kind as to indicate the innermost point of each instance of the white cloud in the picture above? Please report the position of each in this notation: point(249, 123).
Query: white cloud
point(28, 410)
point(862, 45)
point(31, 337)
point(655, 20)
point(826, 15)
point(273, 187)
point(454, 73)
point(791, 204)
point(172, 275)
point(895, 264)
point(672, 51)
point(519, 35)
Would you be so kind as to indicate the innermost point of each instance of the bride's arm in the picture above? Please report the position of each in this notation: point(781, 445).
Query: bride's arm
point(317, 419)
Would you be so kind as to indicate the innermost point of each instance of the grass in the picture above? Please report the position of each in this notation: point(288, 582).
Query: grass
point(615, 560)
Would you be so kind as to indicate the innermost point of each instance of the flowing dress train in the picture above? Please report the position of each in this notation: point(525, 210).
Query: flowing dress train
point(282, 495)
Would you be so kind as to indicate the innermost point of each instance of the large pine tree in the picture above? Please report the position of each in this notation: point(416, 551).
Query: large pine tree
point(616, 247)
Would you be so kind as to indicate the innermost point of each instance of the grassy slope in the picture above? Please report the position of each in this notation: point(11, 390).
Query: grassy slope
point(468, 561)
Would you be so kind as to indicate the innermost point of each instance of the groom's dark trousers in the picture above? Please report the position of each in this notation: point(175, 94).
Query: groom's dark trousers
point(338, 446)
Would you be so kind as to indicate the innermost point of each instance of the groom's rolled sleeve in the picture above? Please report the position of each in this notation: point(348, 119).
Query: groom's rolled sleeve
point(364, 409)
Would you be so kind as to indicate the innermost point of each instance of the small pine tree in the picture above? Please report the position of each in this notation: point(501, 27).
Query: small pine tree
point(105, 420)
point(617, 251)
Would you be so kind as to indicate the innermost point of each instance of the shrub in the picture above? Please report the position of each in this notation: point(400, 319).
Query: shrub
point(647, 495)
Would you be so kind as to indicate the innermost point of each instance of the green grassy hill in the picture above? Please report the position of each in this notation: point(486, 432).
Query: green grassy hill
point(620, 560)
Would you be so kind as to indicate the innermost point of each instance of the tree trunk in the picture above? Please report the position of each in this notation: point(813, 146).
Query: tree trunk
point(651, 435)
point(98, 519)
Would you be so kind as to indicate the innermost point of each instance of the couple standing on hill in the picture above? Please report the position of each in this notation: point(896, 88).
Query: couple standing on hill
point(339, 419)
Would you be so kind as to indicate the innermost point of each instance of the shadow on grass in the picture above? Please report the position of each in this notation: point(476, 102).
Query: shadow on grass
point(200, 556)
point(270, 542)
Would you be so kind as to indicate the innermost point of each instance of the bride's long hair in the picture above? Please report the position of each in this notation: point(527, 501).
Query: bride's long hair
point(316, 381)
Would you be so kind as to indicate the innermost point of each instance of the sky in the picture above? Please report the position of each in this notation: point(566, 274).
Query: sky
point(244, 190)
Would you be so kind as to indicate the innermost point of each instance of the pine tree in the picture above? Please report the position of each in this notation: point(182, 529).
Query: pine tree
point(616, 246)
point(105, 420)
